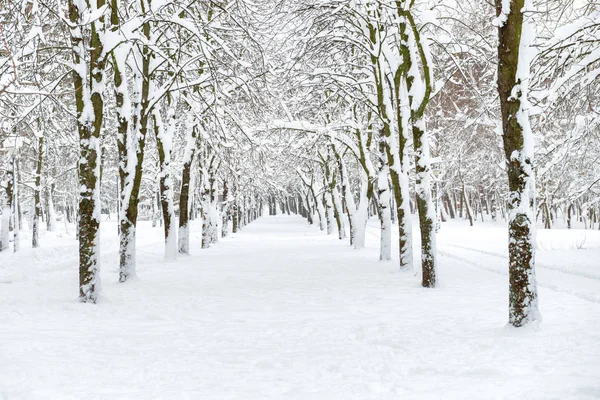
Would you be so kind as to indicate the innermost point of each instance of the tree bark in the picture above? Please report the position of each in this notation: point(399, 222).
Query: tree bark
point(184, 193)
point(131, 147)
point(225, 211)
point(164, 143)
point(37, 196)
point(468, 208)
point(518, 149)
point(88, 82)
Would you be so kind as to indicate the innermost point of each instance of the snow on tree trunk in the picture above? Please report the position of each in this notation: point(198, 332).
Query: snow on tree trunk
point(515, 35)
point(235, 218)
point(4, 228)
point(37, 196)
point(320, 210)
point(339, 213)
point(415, 54)
point(354, 219)
point(130, 146)
point(210, 214)
point(468, 209)
point(164, 144)
point(493, 207)
point(385, 215)
point(88, 81)
point(225, 211)
point(328, 211)
point(64, 203)
point(184, 193)
point(333, 197)
point(205, 226)
point(15, 208)
point(426, 208)
point(51, 219)
point(362, 213)
point(214, 218)
point(403, 199)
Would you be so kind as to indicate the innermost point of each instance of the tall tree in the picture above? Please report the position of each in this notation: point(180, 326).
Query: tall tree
point(515, 34)
point(88, 80)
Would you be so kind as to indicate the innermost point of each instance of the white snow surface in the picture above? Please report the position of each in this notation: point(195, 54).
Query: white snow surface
point(283, 311)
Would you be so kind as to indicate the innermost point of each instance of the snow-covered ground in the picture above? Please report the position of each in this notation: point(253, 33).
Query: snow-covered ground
point(283, 311)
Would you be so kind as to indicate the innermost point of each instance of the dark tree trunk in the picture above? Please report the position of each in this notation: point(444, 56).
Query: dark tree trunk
point(129, 205)
point(465, 200)
point(235, 218)
point(494, 207)
point(184, 198)
point(89, 129)
point(451, 210)
point(547, 218)
point(37, 196)
point(523, 306)
point(225, 222)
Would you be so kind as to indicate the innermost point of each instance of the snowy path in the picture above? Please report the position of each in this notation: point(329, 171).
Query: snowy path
point(282, 311)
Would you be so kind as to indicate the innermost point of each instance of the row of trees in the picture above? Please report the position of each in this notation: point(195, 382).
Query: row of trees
point(336, 109)
point(360, 86)
point(132, 77)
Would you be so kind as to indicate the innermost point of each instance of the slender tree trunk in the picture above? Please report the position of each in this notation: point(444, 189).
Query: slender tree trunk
point(127, 158)
point(4, 228)
point(15, 207)
point(385, 218)
point(339, 213)
point(413, 53)
point(494, 207)
point(235, 218)
point(184, 193)
point(319, 208)
point(465, 199)
point(405, 235)
point(425, 205)
point(451, 209)
point(225, 212)
point(356, 216)
point(547, 218)
point(37, 197)
point(88, 81)
point(333, 197)
point(305, 208)
point(328, 211)
point(513, 77)
point(164, 143)
point(51, 212)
